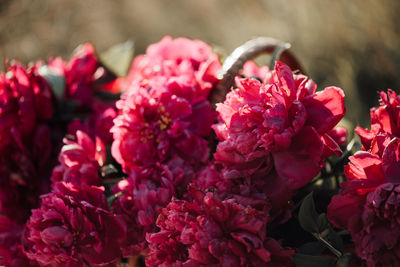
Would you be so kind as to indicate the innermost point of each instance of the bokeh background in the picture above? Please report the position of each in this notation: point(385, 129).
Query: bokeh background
point(351, 44)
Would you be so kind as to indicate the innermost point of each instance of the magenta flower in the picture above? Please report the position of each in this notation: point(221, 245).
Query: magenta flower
point(385, 119)
point(276, 133)
point(211, 232)
point(73, 227)
point(11, 250)
point(378, 239)
point(80, 161)
point(25, 107)
point(189, 62)
point(98, 123)
point(25, 100)
point(144, 194)
point(139, 206)
point(282, 119)
point(79, 73)
point(156, 123)
point(368, 201)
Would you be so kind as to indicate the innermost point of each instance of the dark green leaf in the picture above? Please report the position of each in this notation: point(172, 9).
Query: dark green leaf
point(322, 222)
point(112, 198)
point(312, 248)
point(344, 260)
point(118, 58)
point(303, 260)
point(308, 216)
point(335, 239)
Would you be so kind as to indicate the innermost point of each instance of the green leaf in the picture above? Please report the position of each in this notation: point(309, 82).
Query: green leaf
point(56, 81)
point(303, 260)
point(335, 239)
point(118, 58)
point(112, 198)
point(308, 216)
point(312, 248)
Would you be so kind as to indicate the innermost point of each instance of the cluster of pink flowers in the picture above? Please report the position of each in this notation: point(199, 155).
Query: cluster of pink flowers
point(161, 130)
point(176, 196)
point(209, 231)
point(34, 117)
point(368, 204)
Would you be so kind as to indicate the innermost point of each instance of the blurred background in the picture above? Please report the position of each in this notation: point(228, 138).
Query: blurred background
point(354, 45)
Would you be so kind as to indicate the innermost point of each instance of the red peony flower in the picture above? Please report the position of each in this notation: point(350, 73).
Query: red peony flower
point(385, 119)
point(80, 161)
point(73, 227)
point(367, 203)
point(213, 232)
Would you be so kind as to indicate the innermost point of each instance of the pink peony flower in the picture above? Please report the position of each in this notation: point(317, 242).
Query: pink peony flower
point(188, 62)
point(282, 119)
point(139, 205)
point(80, 161)
point(157, 123)
point(385, 119)
point(274, 136)
point(73, 227)
point(367, 203)
point(143, 195)
point(213, 232)
point(252, 70)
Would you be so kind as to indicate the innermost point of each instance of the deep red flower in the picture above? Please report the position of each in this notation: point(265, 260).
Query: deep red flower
point(25, 100)
point(11, 250)
point(23, 177)
point(80, 161)
point(378, 239)
point(367, 203)
point(25, 147)
point(213, 232)
point(385, 119)
point(139, 205)
point(144, 194)
point(98, 123)
point(74, 227)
